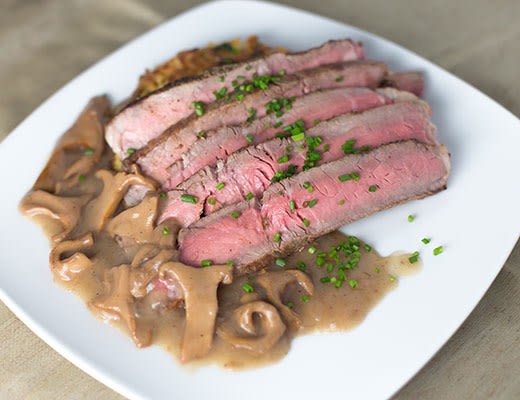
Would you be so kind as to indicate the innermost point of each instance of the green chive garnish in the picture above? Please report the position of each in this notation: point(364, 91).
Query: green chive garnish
point(301, 266)
point(277, 237)
point(414, 257)
point(188, 198)
point(325, 279)
point(81, 178)
point(426, 240)
point(88, 152)
point(411, 218)
point(298, 137)
point(438, 250)
point(283, 159)
point(130, 151)
point(235, 214)
point(372, 188)
point(165, 230)
point(221, 185)
point(230, 263)
point(280, 262)
point(339, 79)
point(206, 263)
point(249, 138)
point(248, 288)
point(352, 283)
point(212, 201)
point(312, 250)
point(312, 203)
point(305, 298)
point(290, 304)
point(162, 194)
point(292, 205)
point(249, 196)
point(306, 222)
point(392, 279)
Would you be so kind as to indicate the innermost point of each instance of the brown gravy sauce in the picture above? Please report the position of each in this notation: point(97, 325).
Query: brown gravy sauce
point(124, 266)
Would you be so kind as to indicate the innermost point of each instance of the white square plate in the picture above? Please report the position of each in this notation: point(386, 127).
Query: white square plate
point(477, 220)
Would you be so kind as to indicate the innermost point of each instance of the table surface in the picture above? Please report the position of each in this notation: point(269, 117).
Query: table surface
point(44, 44)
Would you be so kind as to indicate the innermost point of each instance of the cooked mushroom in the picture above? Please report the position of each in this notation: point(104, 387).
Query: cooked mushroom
point(87, 134)
point(241, 330)
point(117, 302)
point(199, 286)
point(64, 210)
point(136, 223)
point(275, 283)
point(115, 186)
point(66, 268)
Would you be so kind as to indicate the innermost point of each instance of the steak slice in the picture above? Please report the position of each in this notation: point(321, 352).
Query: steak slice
point(412, 81)
point(160, 153)
point(243, 233)
point(253, 169)
point(149, 116)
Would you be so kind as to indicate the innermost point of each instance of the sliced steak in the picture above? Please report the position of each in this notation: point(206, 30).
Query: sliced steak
point(412, 81)
point(250, 171)
point(148, 117)
point(159, 154)
point(244, 233)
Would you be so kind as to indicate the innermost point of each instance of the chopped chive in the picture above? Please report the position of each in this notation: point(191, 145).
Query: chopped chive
point(88, 152)
point(221, 79)
point(312, 203)
point(344, 178)
point(326, 148)
point(392, 279)
point(249, 196)
point(305, 298)
point(241, 77)
point(325, 279)
point(290, 304)
point(277, 237)
point(372, 188)
point(230, 263)
point(165, 230)
point(306, 222)
point(278, 124)
point(341, 202)
point(201, 134)
point(249, 138)
point(130, 151)
point(411, 218)
point(199, 108)
point(368, 247)
point(377, 270)
point(248, 288)
point(330, 267)
point(281, 72)
point(312, 250)
point(306, 185)
point(280, 262)
point(438, 250)
point(298, 137)
point(414, 257)
point(206, 263)
point(426, 240)
point(355, 176)
point(252, 114)
point(240, 97)
point(221, 185)
point(283, 159)
point(212, 201)
point(162, 194)
point(338, 284)
point(292, 205)
point(81, 178)
point(339, 79)
point(235, 214)
point(188, 198)
point(352, 283)
point(301, 266)
point(317, 121)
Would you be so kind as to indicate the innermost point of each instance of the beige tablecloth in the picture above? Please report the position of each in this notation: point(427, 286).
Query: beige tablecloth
point(43, 44)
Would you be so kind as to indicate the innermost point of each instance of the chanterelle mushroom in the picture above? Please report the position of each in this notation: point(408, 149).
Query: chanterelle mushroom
point(275, 283)
point(66, 268)
point(199, 286)
point(240, 330)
